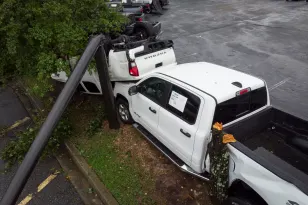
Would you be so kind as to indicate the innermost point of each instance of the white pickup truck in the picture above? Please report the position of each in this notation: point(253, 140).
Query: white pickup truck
point(175, 108)
point(127, 62)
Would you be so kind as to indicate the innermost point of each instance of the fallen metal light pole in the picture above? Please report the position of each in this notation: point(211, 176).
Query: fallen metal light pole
point(103, 74)
point(25, 169)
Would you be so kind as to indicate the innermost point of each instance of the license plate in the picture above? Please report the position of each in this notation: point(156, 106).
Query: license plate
point(114, 5)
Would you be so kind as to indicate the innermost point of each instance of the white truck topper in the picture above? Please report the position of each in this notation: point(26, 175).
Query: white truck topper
point(130, 63)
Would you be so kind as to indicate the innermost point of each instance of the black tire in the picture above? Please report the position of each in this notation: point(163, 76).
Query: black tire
point(144, 30)
point(161, 3)
point(147, 10)
point(236, 201)
point(157, 7)
point(123, 111)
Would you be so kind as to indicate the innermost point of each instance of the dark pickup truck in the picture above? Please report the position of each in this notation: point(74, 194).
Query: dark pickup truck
point(136, 25)
point(148, 5)
point(131, 11)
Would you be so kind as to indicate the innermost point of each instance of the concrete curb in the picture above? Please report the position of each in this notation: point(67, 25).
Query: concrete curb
point(93, 179)
point(79, 181)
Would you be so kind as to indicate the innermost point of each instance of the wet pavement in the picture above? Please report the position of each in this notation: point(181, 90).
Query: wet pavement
point(265, 38)
point(58, 191)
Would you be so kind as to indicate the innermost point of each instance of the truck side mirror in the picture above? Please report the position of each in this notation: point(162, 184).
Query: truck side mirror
point(133, 90)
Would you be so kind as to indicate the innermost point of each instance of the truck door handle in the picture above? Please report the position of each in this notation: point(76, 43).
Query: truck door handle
point(152, 110)
point(158, 65)
point(185, 133)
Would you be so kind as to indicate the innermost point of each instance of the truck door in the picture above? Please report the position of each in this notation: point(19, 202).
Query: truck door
point(178, 122)
point(147, 102)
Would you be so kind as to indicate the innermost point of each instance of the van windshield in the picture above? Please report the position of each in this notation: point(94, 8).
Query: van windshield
point(239, 106)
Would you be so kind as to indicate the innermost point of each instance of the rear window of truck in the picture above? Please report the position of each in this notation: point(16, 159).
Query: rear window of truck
point(239, 106)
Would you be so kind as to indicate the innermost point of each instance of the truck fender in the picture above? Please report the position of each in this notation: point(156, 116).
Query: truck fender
point(121, 90)
point(119, 96)
point(240, 189)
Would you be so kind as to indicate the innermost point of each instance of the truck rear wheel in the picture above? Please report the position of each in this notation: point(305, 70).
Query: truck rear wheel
point(161, 4)
point(236, 201)
point(147, 9)
point(123, 111)
point(144, 30)
point(156, 4)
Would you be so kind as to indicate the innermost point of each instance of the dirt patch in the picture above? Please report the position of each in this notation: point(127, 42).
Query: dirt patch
point(171, 186)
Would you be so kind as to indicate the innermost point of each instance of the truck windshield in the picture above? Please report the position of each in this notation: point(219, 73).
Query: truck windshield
point(241, 105)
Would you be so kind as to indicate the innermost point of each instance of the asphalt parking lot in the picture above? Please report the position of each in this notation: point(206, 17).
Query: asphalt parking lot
point(55, 191)
point(265, 38)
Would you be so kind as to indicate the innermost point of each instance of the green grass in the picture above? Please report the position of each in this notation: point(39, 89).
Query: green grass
point(116, 169)
point(119, 175)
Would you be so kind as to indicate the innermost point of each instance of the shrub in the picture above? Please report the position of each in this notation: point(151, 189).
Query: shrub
point(38, 36)
point(16, 150)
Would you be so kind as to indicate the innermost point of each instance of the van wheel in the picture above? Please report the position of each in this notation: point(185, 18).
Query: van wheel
point(236, 201)
point(123, 111)
point(144, 30)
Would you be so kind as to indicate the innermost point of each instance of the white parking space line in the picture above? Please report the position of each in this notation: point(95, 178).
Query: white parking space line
point(279, 84)
point(193, 54)
point(234, 66)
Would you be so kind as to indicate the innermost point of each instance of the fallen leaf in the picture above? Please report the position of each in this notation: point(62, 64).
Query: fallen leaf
point(217, 126)
point(227, 138)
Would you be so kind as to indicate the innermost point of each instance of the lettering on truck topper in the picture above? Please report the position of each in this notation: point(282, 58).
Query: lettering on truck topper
point(155, 55)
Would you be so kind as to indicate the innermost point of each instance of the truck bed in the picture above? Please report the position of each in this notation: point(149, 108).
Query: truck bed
point(276, 140)
point(273, 142)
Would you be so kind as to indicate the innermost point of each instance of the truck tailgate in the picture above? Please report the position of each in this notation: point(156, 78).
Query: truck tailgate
point(155, 55)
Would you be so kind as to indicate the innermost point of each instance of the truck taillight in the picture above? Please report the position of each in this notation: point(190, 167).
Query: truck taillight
point(242, 92)
point(139, 19)
point(133, 69)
